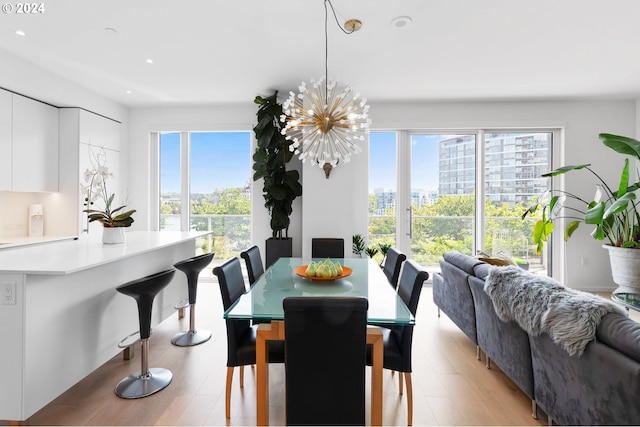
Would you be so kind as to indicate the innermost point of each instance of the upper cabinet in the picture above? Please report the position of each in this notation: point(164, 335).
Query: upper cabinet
point(99, 131)
point(34, 146)
point(83, 135)
point(6, 125)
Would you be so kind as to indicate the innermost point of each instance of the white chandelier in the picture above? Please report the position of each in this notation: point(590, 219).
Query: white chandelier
point(326, 123)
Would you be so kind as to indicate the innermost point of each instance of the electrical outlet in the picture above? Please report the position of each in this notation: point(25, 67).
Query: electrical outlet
point(8, 293)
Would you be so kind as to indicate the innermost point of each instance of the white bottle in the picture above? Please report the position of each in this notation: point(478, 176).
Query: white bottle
point(36, 221)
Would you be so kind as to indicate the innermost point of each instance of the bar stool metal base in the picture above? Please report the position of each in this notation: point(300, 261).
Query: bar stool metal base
point(136, 385)
point(190, 338)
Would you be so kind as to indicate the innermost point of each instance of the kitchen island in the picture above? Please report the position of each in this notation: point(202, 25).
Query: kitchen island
point(61, 317)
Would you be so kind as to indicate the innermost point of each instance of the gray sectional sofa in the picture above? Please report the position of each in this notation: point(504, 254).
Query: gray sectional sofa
point(599, 387)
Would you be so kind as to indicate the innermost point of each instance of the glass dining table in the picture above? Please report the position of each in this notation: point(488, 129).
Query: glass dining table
point(263, 302)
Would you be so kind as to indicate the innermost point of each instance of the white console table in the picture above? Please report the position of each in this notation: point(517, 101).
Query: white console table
point(67, 318)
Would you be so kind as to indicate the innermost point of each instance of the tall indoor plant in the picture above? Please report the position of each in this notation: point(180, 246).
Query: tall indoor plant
point(281, 186)
point(613, 211)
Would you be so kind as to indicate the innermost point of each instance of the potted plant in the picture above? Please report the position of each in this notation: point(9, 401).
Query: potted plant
point(281, 186)
point(371, 251)
point(113, 220)
point(384, 249)
point(613, 212)
point(358, 245)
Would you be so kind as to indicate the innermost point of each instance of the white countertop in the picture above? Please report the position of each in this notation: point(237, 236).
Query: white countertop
point(16, 242)
point(70, 256)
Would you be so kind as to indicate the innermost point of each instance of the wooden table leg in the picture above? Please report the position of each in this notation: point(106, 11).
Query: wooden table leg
point(262, 375)
point(374, 337)
point(266, 332)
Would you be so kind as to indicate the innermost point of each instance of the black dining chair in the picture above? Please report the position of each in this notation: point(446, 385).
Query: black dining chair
point(392, 264)
point(241, 335)
point(325, 360)
point(253, 261)
point(327, 248)
point(398, 339)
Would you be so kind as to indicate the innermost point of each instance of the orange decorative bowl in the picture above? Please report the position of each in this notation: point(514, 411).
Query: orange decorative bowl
point(346, 271)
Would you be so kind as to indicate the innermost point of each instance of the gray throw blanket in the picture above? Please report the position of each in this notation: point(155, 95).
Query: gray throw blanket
point(539, 304)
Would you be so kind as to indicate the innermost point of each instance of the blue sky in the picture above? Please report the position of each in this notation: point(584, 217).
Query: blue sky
point(223, 159)
point(382, 161)
point(218, 160)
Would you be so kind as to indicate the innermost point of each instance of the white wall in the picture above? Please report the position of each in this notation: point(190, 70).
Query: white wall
point(336, 207)
point(23, 77)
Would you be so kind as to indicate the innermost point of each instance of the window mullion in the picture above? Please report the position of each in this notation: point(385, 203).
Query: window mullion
point(478, 223)
point(185, 181)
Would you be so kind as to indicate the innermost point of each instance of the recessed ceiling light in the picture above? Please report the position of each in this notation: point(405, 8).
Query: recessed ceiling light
point(149, 61)
point(401, 21)
point(21, 33)
point(129, 92)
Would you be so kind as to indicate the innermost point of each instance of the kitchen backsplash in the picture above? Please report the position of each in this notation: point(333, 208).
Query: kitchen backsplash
point(58, 218)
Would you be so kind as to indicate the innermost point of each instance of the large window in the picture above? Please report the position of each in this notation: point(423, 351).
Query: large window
point(457, 190)
point(204, 185)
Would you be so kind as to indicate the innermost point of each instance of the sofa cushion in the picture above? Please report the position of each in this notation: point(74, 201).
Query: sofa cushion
point(459, 305)
point(462, 261)
point(601, 387)
point(481, 271)
point(620, 333)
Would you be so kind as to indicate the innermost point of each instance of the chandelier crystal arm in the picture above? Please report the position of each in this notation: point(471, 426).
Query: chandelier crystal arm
point(325, 123)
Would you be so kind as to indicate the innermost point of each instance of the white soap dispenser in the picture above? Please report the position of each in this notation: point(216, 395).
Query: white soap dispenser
point(36, 221)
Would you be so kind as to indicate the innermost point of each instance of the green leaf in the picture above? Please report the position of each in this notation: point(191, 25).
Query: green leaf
point(571, 228)
point(595, 214)
point(619, 205)
point(598, 233)
point(564, 170)
point(621, 144)
point(624, 180)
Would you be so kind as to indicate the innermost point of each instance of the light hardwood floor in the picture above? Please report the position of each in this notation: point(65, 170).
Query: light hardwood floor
point(450, 386)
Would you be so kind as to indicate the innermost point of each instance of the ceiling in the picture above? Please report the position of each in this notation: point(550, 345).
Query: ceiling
point(208, 52)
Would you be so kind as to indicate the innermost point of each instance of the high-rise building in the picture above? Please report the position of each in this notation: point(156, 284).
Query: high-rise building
point(514, 163)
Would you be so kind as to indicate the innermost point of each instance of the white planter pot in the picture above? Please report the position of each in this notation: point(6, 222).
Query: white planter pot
point(625, 268)
point(112, 235)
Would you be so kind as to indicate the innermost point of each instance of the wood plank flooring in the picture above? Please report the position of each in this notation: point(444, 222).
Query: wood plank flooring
point(450, 386)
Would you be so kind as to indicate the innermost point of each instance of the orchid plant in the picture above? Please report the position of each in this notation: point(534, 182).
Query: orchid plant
point(95, 189)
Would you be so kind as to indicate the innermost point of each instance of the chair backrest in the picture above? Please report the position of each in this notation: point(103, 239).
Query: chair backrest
point(327, 248)
point(253, 261)
point(325, 356)
point(410, 284)
point(392, 264)
point(231, 288)
point(231, 281)
point(409, 289)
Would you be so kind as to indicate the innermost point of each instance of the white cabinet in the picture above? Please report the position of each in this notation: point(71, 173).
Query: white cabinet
point(6, 125)
point(35, 146)
point(99, 131)
point(83, 135)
